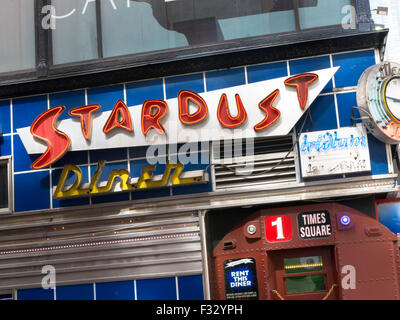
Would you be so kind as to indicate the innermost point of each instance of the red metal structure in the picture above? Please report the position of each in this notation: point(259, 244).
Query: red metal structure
point(322, 251)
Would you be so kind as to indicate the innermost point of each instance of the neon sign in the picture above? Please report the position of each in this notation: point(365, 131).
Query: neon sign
point(119, 180)
point(190, 117)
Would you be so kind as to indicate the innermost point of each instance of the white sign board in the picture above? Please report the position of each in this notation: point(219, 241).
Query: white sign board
point(208, 130)
point(332, 152)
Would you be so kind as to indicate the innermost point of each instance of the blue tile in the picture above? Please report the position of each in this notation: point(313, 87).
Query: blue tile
point(225, 78)
point(151, 193)
point(5, 146)
point(138, 92)
point(77, 292)
point(32, 191)
point(26, 110)
point(108, 154)
point(159, 151)
point(35, 294)
point(70, 100)
point(191, 287)
point(266, 71)
point(352, 65)
point(156, 289)
point(323, 115)
point(121, 290)
point(106, 97)
point(5, 119)
point(192, 82)
point(137, 165)
point(22, 160)
point(377, 152)
point(345, 103)
point(72, 157)
point(311, 64)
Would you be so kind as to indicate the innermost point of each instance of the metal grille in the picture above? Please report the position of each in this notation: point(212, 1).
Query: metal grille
point(268, 161)
point(85, 249)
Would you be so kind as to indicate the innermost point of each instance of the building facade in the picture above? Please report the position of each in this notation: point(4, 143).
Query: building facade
point(132, 160)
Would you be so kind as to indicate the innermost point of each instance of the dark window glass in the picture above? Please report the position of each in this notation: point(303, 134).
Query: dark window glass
point(3, 185)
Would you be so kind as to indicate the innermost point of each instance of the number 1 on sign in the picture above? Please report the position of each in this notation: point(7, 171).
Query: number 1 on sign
point(279, 228)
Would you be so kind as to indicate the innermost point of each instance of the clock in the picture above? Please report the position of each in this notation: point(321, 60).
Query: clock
point(378, 100)
point(391, 96)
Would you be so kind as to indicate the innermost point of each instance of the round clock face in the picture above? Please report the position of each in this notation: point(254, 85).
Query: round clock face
point(392, 96)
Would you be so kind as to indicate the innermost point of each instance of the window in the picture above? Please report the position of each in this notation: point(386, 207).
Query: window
point(4, 185)
point(307, 274)
point(17, 35)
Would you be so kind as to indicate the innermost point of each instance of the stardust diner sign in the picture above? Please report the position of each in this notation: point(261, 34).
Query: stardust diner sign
point(265, 108)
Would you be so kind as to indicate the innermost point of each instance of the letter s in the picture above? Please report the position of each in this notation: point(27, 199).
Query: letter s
point(57, 141)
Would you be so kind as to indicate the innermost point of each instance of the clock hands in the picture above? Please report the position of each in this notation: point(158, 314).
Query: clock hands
point(394, 99)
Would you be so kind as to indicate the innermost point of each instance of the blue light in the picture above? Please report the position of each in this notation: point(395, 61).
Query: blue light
point(345, 220)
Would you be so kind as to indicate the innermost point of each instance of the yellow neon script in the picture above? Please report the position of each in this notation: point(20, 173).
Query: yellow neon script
point(171, 176)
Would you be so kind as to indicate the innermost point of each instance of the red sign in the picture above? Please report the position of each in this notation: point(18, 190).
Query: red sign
point(278, 228)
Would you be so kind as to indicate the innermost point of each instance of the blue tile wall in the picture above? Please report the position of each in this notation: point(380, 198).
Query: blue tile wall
point(70, 100)
point(323, 115)
point(5, 117)
point(106, 97)
point(192, 82)
point(225, 78)
point(138, 92)
point(121, 290)
point(191, 288)
point(378, 155)
point(22, 160)
point(352, 65)
point(156, 289)
point(75, 292)
point(311, 64)
point(266, 71)
point(35, 294)
point(26, 110)
point(345, 103)
point(31, 191)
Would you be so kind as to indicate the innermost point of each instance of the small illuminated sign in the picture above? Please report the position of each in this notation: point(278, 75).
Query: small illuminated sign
point(331, 152)
point(278, 228)
point(241, 279)
point(314, 225)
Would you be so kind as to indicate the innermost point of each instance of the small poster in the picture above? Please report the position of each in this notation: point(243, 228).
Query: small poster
point(313, 225)
point(241, 279)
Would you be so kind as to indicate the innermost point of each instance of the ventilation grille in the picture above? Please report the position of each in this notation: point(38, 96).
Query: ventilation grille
point(261, 165)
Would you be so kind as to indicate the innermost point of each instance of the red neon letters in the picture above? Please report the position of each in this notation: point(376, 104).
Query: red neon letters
point(271, 114)
point(224, 116)
point(152, 120)
point(114, 121)
point(85, 113)
point(301, 82)
point(57, 142)
point(153, 111)
point(184, 115)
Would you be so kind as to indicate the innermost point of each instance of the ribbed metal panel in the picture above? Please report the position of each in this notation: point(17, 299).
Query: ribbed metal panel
point(84, 249)
point(272, 162)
